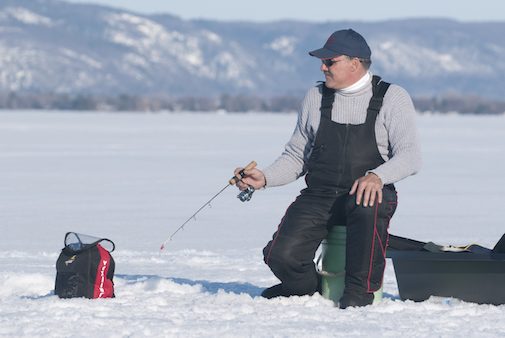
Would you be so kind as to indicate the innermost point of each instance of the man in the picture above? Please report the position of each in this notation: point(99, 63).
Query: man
point(354, 138)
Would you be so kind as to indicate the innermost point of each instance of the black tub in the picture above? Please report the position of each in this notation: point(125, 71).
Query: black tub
point(470, 276)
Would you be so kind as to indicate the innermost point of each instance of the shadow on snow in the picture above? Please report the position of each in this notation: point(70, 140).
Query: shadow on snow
point(207, 286)
point(214, 287)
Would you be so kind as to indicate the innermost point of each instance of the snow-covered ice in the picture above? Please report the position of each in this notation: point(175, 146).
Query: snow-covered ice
point(136, 177)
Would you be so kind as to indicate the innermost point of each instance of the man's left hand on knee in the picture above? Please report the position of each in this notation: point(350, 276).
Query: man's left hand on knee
point(368, 189)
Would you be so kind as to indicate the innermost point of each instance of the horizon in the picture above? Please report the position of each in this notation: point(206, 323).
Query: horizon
point(227, 10)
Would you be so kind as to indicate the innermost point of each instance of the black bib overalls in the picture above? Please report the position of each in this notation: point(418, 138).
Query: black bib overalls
point(341, 154)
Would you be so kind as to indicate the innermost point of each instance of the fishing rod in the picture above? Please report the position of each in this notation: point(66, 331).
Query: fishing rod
point(244, 196)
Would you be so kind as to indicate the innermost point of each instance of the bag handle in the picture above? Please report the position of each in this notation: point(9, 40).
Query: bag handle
point(82, 245)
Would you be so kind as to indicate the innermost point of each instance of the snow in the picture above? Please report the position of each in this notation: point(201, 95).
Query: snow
point(226, 65)
point(151, 39)
point(136, 177)
point(86, 59)
point(26, 16)
point(13, 74)
point(151, 43)
point(212, 37)
point(413, 59)
point(284, 45)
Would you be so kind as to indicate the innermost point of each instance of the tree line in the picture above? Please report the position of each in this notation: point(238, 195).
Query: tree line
point(225, 102)
point(126, 102)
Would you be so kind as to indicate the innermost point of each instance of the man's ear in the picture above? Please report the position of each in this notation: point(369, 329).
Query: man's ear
point(355, 64)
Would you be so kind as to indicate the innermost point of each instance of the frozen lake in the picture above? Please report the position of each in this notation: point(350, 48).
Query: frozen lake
point(134, 178)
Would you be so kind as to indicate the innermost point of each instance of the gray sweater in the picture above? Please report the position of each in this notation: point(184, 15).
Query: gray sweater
point(395, 127)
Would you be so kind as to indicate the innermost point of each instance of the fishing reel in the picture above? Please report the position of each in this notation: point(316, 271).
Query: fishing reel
point(246, 195)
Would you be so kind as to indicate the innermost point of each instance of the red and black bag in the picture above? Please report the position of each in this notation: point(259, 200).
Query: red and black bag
point(85, 267)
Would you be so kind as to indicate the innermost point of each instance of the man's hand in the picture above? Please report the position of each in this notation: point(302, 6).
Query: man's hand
point(368, 188)
point(253, 177)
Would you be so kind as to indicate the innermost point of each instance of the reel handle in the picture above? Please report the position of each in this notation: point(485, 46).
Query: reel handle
point(240, 174)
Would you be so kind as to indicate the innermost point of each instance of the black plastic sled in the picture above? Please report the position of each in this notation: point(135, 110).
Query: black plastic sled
point(472, 273)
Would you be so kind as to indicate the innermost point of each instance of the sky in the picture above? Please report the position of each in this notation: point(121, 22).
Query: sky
point(318, 11)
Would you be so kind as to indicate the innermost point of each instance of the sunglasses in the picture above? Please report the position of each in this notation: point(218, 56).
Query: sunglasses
point(329, 62)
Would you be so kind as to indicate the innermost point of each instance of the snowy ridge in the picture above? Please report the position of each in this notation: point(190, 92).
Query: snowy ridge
point(54, 46)
point(400, 56)
point(25, 16)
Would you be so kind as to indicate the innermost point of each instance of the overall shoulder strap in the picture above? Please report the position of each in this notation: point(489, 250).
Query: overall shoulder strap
point(379, 89)
point(327, 100)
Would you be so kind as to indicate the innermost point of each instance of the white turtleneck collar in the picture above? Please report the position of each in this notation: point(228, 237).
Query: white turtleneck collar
point(358, 85)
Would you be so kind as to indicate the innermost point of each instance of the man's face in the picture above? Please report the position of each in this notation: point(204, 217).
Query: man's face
point(339, 72)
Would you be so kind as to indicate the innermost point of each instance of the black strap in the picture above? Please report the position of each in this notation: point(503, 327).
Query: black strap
point(327, 101)
point(379, 89)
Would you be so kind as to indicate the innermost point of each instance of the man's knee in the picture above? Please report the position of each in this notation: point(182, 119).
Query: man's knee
point(297, 277)
point(289, 260)
point(280, 255)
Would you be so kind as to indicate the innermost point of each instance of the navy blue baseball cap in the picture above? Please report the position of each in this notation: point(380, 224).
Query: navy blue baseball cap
point(344, 42)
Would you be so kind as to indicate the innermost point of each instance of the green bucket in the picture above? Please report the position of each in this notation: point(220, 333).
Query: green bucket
point(332, 261)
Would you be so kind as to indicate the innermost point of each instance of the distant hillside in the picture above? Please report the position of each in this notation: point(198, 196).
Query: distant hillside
point(50, 46)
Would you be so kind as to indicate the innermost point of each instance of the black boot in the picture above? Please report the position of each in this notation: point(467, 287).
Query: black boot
point(348, 300)
point(274, 291)
point(278, 291)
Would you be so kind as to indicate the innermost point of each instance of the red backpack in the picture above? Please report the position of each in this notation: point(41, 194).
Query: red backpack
point(85, 267)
